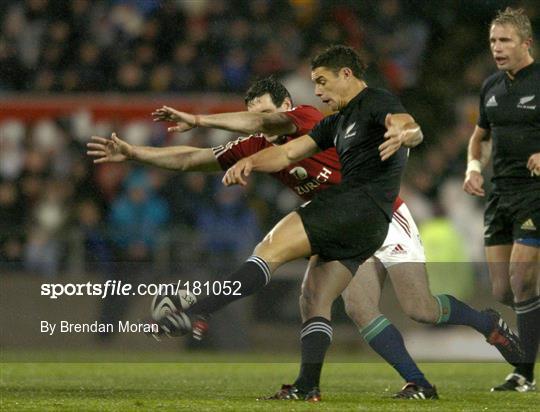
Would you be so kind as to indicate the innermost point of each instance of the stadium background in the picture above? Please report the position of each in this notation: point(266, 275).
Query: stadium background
point(72, 69)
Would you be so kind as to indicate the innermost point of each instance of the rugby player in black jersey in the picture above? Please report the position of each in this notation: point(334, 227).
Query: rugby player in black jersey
point(346, 223)
point(510, 122)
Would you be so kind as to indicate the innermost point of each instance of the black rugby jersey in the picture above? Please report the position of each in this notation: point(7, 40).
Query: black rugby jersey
point(357, 131)
point(510, 110)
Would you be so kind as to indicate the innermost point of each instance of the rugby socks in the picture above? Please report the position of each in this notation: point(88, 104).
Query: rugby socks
point(387, 341)
point(316, 336)
point(528, 325)
point(455, 312)
point(252, 276)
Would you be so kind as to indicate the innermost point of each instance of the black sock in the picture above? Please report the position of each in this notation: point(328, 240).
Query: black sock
point(316, 336)
point(528, 325)
point(456, 312)
point(252, 276)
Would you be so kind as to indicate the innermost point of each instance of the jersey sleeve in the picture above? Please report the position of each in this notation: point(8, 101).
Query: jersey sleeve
point(483, 121)
point(323, 133)
point(304, 118)
point(230, 153)
point(383, 103)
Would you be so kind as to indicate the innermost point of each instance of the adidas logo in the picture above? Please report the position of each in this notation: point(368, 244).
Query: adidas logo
point(398, 250)
point(528, 225)
point(492, 102)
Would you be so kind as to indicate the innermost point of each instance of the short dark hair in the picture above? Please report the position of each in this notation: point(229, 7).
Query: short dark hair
point(278, 93)
point(339, 56)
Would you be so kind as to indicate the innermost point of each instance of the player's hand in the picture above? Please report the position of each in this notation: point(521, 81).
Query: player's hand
point(394, 138)
point(473, 183)
point(533, 164)
point(109, 150)
point(184, 121)
point(237, 174)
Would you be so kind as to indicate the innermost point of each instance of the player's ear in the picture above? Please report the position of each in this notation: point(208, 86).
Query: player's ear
point(287, 104)
point(346, 72)
point(528, 43)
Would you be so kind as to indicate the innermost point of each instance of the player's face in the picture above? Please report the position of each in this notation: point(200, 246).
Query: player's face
point(263, 104)
point(508, 49)
point(330, 87)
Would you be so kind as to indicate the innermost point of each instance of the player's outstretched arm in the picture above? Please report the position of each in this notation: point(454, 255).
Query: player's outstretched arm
point(183, 158)
point(241, 122)
point(402, 130)
point(478, 154)
point(271, 160)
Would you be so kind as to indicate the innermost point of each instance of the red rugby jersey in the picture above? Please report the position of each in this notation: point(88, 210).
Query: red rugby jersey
point(305, 177)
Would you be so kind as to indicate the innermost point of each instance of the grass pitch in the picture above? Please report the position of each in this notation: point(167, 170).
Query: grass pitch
point(222, 386)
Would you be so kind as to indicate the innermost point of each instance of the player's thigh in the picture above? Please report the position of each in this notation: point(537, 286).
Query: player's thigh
point(363, 294)
point(411, 286)
point(403, 256)
point(498, 260)
point(525, 211)
point(323, 282)
point(285, 242)
point(524, 271)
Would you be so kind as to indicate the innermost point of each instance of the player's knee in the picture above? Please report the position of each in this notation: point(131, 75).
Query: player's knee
point(306, 304)
point(312, 302)
point(502, 294)
point(353, 312)
point(523, 282)
point(358, 314)
point(268, 250)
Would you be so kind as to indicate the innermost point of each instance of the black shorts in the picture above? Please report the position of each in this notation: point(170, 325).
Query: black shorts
point(512, 217)
point(343, 223)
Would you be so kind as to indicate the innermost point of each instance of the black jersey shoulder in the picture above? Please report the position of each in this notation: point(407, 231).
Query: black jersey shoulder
point(372, 101)
point(377, 94)
point(491, 80)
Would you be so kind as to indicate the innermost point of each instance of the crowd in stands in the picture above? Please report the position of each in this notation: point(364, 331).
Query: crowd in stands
point(435, 56)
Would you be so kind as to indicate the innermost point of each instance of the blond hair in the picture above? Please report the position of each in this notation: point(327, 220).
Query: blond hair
point(516, 18)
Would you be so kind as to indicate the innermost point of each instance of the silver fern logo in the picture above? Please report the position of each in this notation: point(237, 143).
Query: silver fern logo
point(350, 132)
point(523, 103)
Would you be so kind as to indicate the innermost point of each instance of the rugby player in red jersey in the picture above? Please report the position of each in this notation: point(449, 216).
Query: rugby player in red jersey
point(270, 111)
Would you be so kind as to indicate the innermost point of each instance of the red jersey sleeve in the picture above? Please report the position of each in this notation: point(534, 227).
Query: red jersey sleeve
point(230, 153)
point(304, 118)
point(397, 203)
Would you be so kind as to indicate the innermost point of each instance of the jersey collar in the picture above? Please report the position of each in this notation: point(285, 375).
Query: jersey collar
point(522, 72)
point(354, 100)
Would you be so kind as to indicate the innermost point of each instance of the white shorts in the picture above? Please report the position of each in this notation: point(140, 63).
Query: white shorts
point(402, 243)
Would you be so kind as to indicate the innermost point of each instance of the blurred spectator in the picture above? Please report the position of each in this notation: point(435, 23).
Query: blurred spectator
point(43, 250)
point(137, 217)
point(228, 230)
point(236, 70)
point(130, 78)
point(11, 223)
point(97, 250)
point(185, 78)
point(136, 220)
point(228, 227)
point(399, 39)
